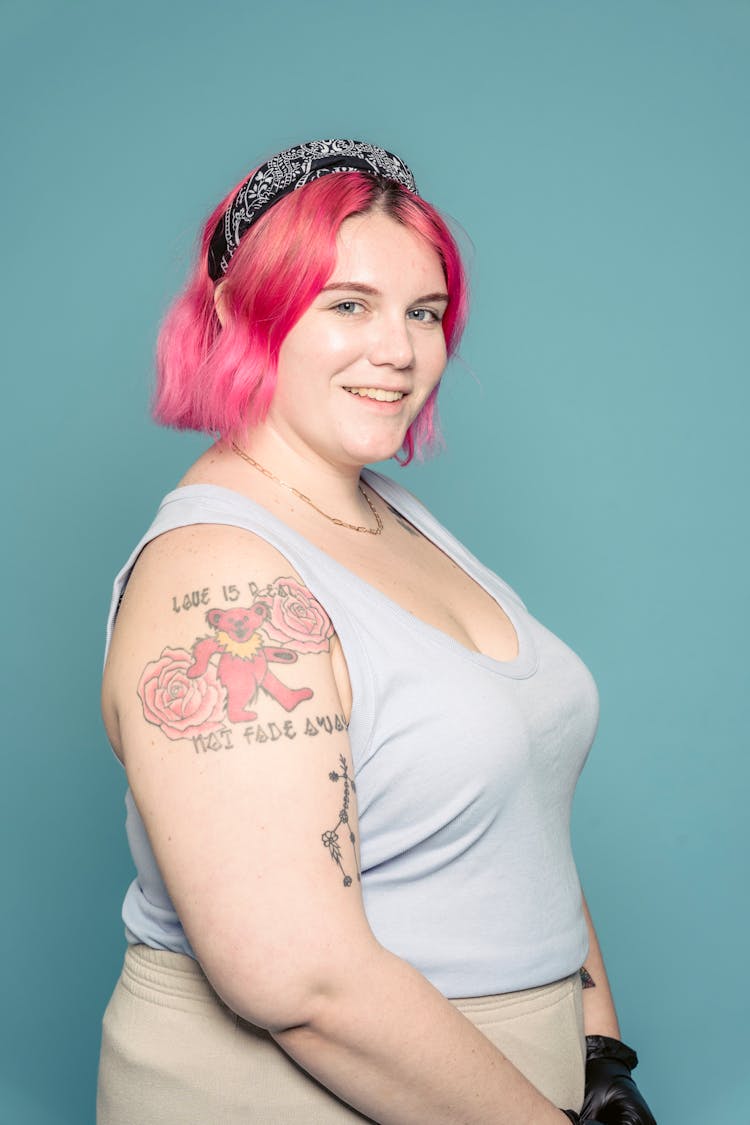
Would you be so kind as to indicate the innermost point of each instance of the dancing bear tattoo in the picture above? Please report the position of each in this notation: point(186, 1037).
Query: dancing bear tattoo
point(243, 661)
point(188, 694)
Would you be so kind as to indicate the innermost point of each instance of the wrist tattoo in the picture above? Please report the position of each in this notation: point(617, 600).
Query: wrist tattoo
point(587, 981)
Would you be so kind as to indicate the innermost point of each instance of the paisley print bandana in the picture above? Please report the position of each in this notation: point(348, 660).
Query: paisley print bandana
point(288, 171)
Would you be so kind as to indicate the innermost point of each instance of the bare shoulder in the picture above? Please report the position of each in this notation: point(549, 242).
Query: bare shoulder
point(211, 617)
point(191, 565)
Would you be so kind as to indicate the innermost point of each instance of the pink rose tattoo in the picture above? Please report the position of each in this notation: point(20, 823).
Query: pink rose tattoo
point(295, 618)
point(182, 707)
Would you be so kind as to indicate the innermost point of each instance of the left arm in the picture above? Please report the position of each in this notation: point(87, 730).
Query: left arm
point(611, 1093)
point(599, 1015)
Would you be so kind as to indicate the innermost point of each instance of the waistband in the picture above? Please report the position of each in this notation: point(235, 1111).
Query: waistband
point(175, 980)
point(513, 1005)
point(171, 979)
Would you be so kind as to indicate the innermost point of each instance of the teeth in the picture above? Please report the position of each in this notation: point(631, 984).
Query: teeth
point(377, 393)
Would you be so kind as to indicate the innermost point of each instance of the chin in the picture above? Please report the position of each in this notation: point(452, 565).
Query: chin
point(371, 452)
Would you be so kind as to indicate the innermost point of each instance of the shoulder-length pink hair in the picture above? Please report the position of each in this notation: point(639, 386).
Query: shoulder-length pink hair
point(218, 379)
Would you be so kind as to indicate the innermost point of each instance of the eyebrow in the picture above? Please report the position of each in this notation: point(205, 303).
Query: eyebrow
point(371, 291)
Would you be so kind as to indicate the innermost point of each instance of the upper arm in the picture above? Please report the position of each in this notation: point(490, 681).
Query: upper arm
point(235, 744)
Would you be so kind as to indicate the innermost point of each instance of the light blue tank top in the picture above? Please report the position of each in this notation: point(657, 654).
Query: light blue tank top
point(465, 769)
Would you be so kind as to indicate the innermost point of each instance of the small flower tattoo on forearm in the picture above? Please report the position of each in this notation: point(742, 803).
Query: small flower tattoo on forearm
point(331, 838)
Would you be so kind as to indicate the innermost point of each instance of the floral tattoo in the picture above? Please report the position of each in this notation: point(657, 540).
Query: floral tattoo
point(330, 838)
point(188, 695)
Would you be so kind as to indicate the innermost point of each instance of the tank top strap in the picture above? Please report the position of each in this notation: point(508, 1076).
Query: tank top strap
point(412, 509)
point(330, 584)
point(212, 504)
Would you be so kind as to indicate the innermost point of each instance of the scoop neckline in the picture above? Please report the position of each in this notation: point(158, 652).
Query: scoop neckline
point(523, 664)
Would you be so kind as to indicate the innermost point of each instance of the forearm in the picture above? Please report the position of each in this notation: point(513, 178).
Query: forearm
point(599, 1015)
point(393, 1047)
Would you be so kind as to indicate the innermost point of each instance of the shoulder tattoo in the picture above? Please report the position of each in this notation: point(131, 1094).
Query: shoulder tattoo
point(194, 693)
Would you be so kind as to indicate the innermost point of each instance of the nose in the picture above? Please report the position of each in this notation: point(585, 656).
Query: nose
point(392, 344)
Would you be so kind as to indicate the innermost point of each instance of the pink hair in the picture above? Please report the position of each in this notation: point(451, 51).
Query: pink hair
point(220, 379)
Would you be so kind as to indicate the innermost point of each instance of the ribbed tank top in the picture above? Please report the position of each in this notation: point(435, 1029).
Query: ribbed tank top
point(465, 769)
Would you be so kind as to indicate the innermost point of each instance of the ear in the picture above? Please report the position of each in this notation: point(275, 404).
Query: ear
point(213, 617)
point(220, 304)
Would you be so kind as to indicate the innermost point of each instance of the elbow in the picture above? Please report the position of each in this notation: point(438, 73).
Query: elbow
point(279, 992)
point(272, 997)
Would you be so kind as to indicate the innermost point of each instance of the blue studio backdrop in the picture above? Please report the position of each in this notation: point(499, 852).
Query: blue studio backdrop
point(596, 154)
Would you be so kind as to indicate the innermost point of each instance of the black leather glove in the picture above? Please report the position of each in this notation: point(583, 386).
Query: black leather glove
point(612, 1096)
point(576, 1118)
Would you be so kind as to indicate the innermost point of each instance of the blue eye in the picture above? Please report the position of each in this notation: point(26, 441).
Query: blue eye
point(425, 316)
point(347, 308)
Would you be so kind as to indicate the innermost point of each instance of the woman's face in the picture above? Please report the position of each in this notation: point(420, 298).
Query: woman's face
point(358, 366)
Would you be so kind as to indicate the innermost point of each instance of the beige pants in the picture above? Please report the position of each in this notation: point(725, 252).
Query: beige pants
point(174, 1054)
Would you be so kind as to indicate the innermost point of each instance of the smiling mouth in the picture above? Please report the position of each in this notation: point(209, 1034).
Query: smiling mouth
point(376, 393)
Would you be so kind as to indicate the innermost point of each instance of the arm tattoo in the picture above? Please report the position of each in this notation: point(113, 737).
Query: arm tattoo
point(330, 838)
point(189, 694)
point(587, 981)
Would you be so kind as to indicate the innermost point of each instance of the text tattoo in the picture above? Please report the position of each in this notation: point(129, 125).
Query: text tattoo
point(191, 694)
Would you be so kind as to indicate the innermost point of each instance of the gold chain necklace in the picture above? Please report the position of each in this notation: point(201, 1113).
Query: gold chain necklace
point(301, 496)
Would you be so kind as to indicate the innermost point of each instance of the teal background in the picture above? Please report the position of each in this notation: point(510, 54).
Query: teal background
point(597, 155)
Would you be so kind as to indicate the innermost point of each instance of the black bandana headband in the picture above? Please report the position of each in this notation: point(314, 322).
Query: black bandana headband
point(288, 171)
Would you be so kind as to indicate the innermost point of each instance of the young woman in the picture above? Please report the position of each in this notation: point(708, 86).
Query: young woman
point(351, 752)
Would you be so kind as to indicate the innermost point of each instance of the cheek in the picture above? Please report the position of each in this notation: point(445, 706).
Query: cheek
point(436, 358)
point(331, 344)
point(321, 350)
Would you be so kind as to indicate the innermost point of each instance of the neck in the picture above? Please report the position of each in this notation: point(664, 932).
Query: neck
point(282, 471)
point(298, 464)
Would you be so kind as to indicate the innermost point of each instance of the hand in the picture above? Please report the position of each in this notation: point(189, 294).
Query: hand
point(612, 1096)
